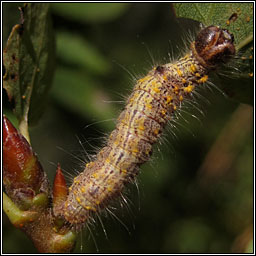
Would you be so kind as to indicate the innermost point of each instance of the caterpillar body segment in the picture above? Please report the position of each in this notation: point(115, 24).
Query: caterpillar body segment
point(149, 108)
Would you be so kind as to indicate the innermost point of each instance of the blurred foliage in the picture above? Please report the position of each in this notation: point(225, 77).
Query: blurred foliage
point(181, 206)
point(91, 12)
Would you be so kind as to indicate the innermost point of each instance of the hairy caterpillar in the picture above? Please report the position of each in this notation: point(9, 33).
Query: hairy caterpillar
point(149, 108)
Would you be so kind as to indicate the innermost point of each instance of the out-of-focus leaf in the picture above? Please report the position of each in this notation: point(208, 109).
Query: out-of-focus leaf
point(192, 235)
point(29, 62)
point(240, 90)
point(10, 17)
point(249, 248)
point(80, 94)
point(238, 19)
point(76, 50)
point(91, 12)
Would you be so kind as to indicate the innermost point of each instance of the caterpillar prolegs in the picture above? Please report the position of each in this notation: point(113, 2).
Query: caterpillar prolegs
point(149, 108)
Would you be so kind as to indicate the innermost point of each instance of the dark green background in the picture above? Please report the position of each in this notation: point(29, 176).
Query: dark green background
point(179, 209)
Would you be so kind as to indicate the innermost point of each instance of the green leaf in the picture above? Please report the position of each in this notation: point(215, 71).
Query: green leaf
point(240, 86)
point(249, 248)
point(90, 12)
point(219, 14)
point(73, 49)
point(29, 63)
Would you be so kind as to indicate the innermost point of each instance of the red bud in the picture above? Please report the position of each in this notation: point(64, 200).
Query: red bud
point(60, 191)
point(23, 176)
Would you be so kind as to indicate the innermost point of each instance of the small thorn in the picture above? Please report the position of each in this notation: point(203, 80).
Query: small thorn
point(60, 191)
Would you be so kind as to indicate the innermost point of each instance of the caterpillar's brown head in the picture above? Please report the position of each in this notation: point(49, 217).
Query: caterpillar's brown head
point(213, 46)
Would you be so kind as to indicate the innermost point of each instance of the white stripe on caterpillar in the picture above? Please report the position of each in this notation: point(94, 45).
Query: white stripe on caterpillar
point(151, 104)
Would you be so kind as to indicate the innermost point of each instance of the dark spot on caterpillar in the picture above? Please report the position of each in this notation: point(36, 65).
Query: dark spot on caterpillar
point(120, 156)
point(13, 57)
point(160, 69)
point(93, 190)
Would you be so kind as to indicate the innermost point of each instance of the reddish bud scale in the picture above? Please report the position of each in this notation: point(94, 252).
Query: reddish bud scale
point(23, 176)
point(60, 191)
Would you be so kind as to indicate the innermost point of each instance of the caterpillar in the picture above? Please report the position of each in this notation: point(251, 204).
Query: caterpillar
point(154, 100)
